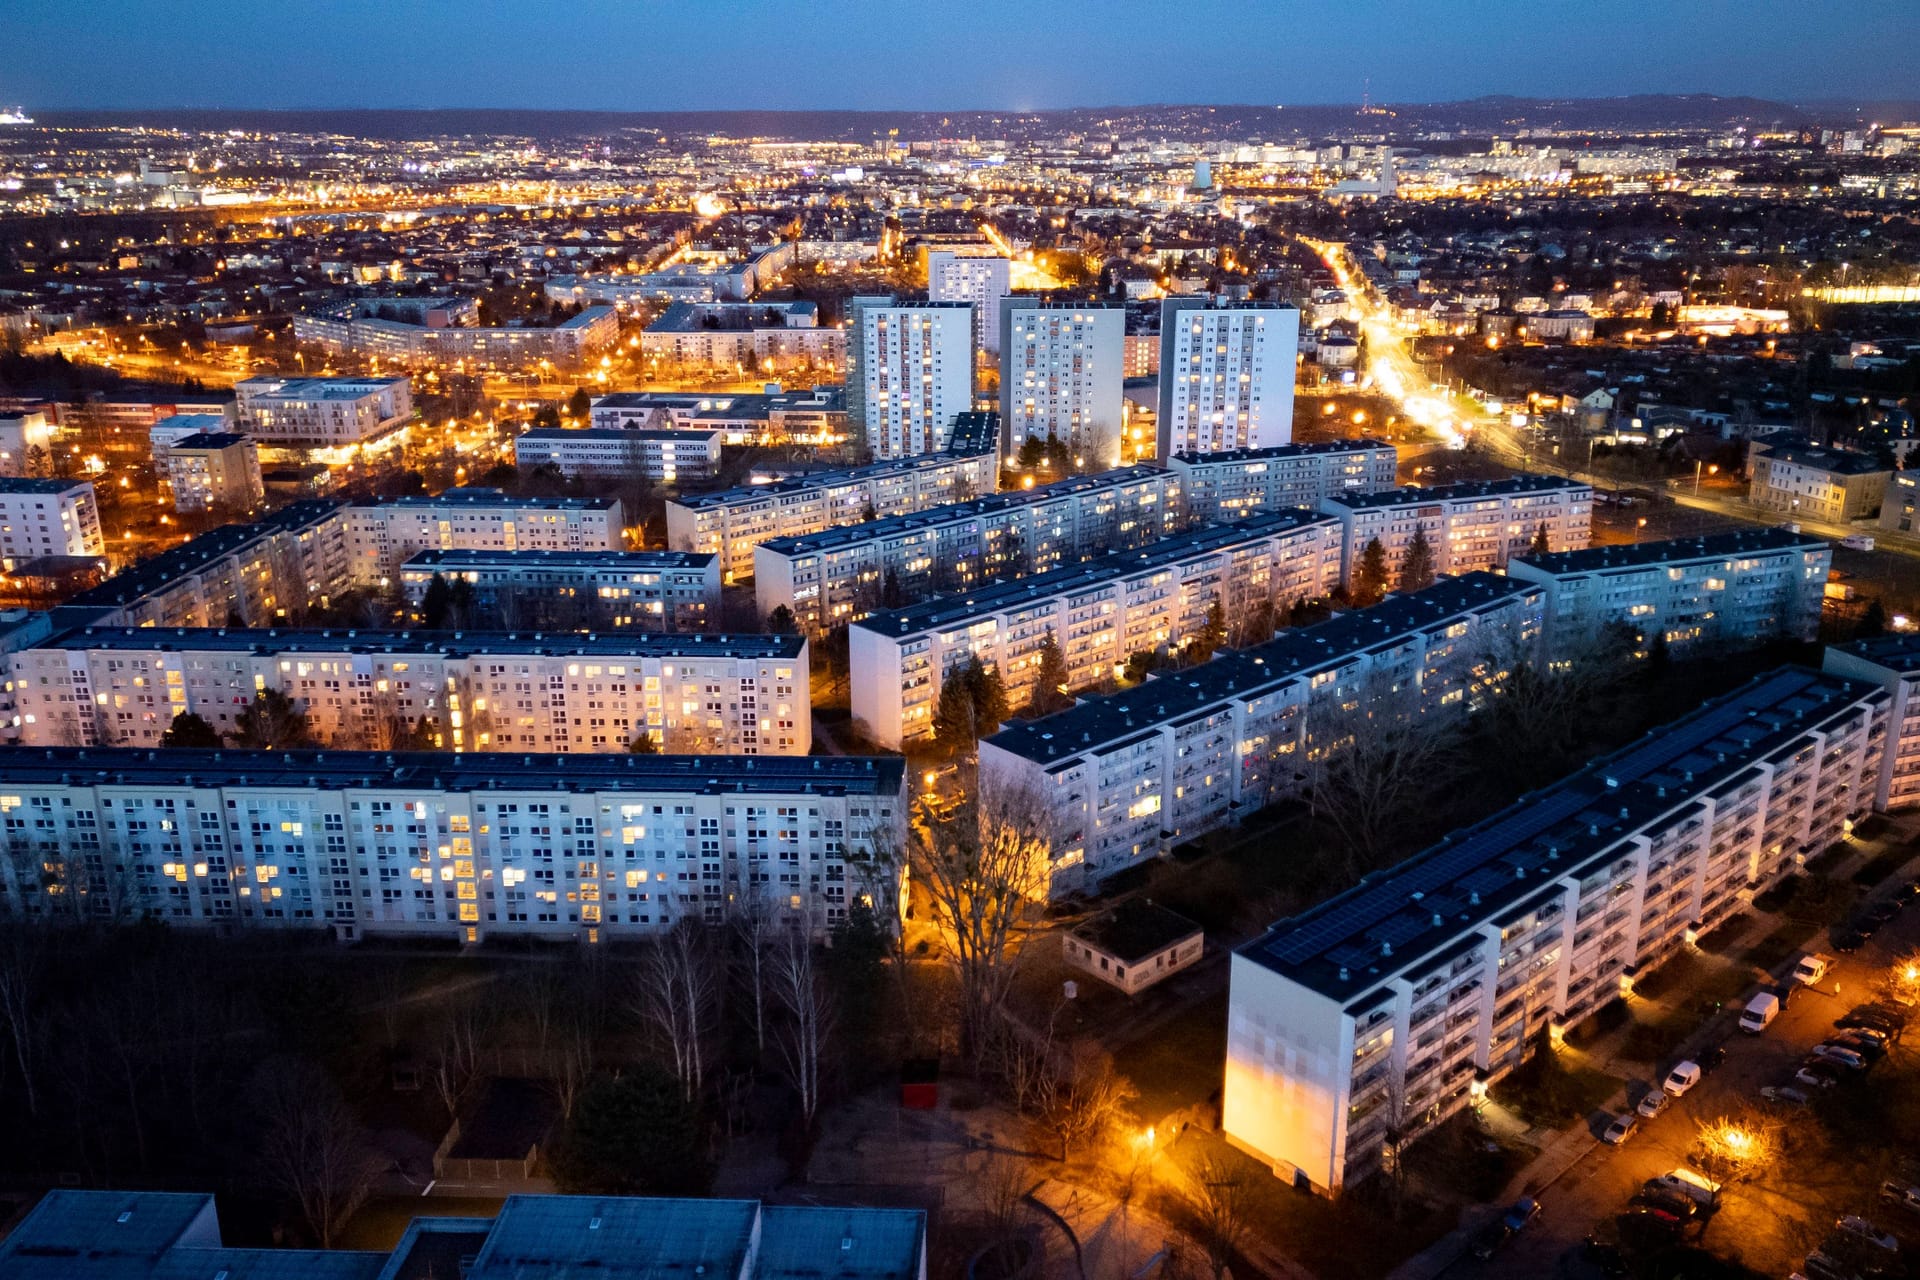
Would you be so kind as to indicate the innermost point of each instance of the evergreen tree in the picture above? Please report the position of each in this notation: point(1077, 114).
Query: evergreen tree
point(190, 730)
point(643, 745)
point(1050, 681)
point(1416, 568)
point(632, 1134)
point(953, 714)
point(1031, 454)
point(1370, 575)
point(271, 722)
point(1212, 634)
point(890, 594)
point(1873, 621)
point(435, 603)
point(780, 622)
point(1541, 546)
point(989, 692)
point(579, 404)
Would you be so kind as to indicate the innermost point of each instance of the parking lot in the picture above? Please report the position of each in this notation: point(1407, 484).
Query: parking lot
point(1770, 1218)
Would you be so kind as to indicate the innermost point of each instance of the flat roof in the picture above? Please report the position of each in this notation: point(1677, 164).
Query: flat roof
point(315, 388)
point(471, 497)
point(992, 597)
point(484, 557)
point(1167, 696)
point(28, 484)
point(816, 1242)
point(730, 317)
point(1317, 448)
point(156, 572)
point(746, 493)
point(1711, 546)
point(561, 435)
point(266, 642)
point(1837, 462)
point(1349, 944)
point(1135, 930)
point(209, 440)
point(438, 770)
point(1896, 650)
point(1465, 491)
point(616, 1238)
point(933, 517)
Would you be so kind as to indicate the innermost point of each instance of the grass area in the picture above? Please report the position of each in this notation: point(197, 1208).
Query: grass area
point(1178, 1063)
point(1549, 1092)
point(1676, 999)
point(1356, 1237)
point(1882, 865)
point(1781, 895)
point(1460, 1161)
point(1785, 940)
point(1828, 858)
point(1721, 940)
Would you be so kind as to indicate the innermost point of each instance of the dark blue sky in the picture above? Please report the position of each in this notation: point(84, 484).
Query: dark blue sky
point(937, 54)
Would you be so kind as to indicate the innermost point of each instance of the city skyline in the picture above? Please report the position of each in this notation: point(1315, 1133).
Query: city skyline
point(750, 54)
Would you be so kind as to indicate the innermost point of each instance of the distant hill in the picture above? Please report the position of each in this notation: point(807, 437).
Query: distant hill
point(1478, 115)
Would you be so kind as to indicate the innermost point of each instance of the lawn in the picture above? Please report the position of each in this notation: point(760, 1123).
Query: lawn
point(1549, 1092)
point(1178, 1063)
point(1882, 865)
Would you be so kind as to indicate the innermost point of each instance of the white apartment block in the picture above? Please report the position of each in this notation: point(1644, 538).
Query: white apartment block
point(816, 415)
point(1893, 662)
point(215, 471)
point(1099, 613)
point(254, 575)
point(578, 590)
point(473, 690)
point(732, 522)
point(1126, 777)
point(421, 341)
point(322, 412)
point(47, 518)
point(20, 435)
point(1721, 591)
point(1799, 479)
point(909, 372)
point(669, 456)
point(755, 336)
point(382, 535)
point(1237, 483)
point(1393, 1005)
point(980, 282)
point(1061, 374)
point(432, 844)
point(1470, 526)
point(167, 432)
point(842, 574)
point(1226, 375)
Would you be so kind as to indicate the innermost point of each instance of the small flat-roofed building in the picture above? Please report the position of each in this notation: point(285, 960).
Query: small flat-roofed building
point(669, 456)
point(1134, 945)
point(323, 412)
point(215, 471)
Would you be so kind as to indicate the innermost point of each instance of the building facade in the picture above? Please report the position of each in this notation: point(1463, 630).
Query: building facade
point(21, 435)
point(47, 518)
point(421, 332)
point(317, 413)
point(448, 846)
point(732, 522)
point(814, 416)
point(215, 472)
point(980, 282)
point(1099, 613)
point(1387, 1009)
point(1470, 526)
point(577, 590)
point(1719, 592)
point(909, 371)
point(1061, 374)
point(1226, 375)
point(669, 457)
point(464, 691)
point(1799, 479)
point(752, 336)
point(380, 536)
point(1237, 483)
point(1893, 663)
point(1126, 777)
point(842, 574)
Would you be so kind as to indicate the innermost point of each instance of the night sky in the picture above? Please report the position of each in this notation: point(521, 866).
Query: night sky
point(937, 54)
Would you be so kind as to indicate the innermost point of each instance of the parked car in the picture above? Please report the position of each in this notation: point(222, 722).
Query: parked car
point(1881, 913)
point(1605, 1258)
point(1811, 968)
point(1521, 1212)
point(1683, 1077)
point(1872, 1035)
point(1901, 1195)
point(1862, 1229)
point(1848, 941)
point(1827, 1051)
point(1818, 1074)
point(1667, 1200)
point(1786, 1095)
point(1710, 1058)
point(1488, 1239)
point(1654, 1103)
point(1759, 1013)
point(1869, 1049)
point(1697, 1187)
point(1624, 1126)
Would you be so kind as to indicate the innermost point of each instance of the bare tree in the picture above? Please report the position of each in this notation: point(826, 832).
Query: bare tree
point(1374, 763)
point(1221, 1206)
point(453, 1060)
point(311, 1146)
point(1080, 1095)
point(752, 931)
point(984, 869)
point(675, 997)
point(808, 1018)
point(22, 956)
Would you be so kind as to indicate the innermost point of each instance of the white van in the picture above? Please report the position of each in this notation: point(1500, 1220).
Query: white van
point(1695, 1186)
point(1858, 542)
point(1811, 969)
point(1760, 1011)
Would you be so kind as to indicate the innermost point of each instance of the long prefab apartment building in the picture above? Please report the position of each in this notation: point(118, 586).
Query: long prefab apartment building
point(1098, 612)
point(1385, 1010)
point(577, 590)
point(580, 847)
point(1237, 483)
point(1478, 524)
